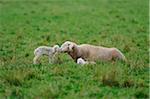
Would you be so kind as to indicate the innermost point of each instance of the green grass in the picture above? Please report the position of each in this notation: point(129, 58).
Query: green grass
point(27, 24)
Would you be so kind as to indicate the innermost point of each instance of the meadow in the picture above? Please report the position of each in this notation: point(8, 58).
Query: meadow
point(27, 24)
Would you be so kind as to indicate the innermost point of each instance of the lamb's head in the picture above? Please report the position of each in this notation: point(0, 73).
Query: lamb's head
point(67, 46)
point(81, 61)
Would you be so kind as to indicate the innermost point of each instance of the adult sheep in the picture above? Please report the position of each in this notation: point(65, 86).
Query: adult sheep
point(91, 52)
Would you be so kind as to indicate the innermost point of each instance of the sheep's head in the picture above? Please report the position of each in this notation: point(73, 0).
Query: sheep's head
point(67, 46)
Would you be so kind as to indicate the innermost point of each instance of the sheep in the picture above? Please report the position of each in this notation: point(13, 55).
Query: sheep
point(45, 50)
point(91, 52)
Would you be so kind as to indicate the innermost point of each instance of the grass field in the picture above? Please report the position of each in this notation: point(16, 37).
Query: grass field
point(27, 24)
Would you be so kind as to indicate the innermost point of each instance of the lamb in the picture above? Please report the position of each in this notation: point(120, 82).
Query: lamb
point(83, 62)
point(45, 50)
point(90, 52)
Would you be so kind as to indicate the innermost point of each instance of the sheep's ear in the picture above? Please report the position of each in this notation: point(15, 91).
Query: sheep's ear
point(71, 47)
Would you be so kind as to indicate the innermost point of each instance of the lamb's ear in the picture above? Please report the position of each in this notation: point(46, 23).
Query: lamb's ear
point(55, 48)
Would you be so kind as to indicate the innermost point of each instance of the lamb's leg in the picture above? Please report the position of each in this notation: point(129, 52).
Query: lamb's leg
point(51, 59)
point(36, 59)
point(91, 62)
